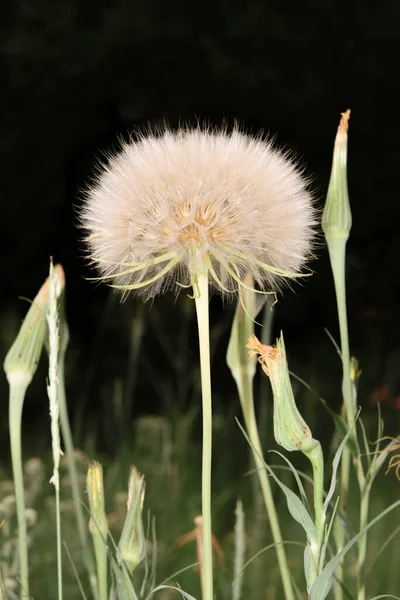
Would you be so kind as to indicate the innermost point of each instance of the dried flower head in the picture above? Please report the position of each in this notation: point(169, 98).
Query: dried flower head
point(172, 206)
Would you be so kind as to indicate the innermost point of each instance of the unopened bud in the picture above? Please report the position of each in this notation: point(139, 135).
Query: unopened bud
point(336, 219)
point(290, 429)
point(95, 489)
point(23, 357)
point(132, 545)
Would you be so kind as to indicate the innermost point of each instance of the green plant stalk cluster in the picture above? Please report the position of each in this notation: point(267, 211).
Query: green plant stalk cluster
point(243, 371)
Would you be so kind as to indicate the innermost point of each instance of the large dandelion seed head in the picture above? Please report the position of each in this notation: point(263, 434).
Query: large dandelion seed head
point(175, 205)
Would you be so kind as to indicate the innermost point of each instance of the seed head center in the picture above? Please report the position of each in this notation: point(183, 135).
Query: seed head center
point(197, 228)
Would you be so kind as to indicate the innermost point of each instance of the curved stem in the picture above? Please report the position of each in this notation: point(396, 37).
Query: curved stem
point(201, 299)
point(17, 395)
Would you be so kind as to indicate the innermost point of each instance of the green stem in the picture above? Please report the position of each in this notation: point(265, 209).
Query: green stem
point(17, 394)
point(245, 387)
point(100, 549)
point(337, 253)
point(340, 535)
point(201, 299)
point(69, 450)
point(362, 545)
point(316, 458)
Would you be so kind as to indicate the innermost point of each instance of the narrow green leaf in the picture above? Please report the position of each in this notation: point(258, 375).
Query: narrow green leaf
point(335, 466)
point(296, 476)
point(295, 505)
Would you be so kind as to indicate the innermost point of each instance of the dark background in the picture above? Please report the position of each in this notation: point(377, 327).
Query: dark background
point(77, 74)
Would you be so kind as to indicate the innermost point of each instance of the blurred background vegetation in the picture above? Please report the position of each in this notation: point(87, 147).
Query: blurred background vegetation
point(75, 76)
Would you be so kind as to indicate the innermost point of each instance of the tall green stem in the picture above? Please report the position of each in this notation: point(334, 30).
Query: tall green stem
point(245, 386)
point(337, 252)
point(201, 299)
point(18, 387)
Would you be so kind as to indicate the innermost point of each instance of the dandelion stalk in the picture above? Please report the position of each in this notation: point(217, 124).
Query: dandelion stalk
point(243, 371)
point(201, 300)
point(20, 366)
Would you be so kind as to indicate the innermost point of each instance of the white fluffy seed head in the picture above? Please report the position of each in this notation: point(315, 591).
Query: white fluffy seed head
point(173, 205)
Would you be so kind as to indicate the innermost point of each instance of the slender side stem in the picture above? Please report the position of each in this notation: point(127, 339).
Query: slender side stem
point(245, 386)
point(362, 545)
point(69, 450)
point(17, 394)
point(201, 299)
